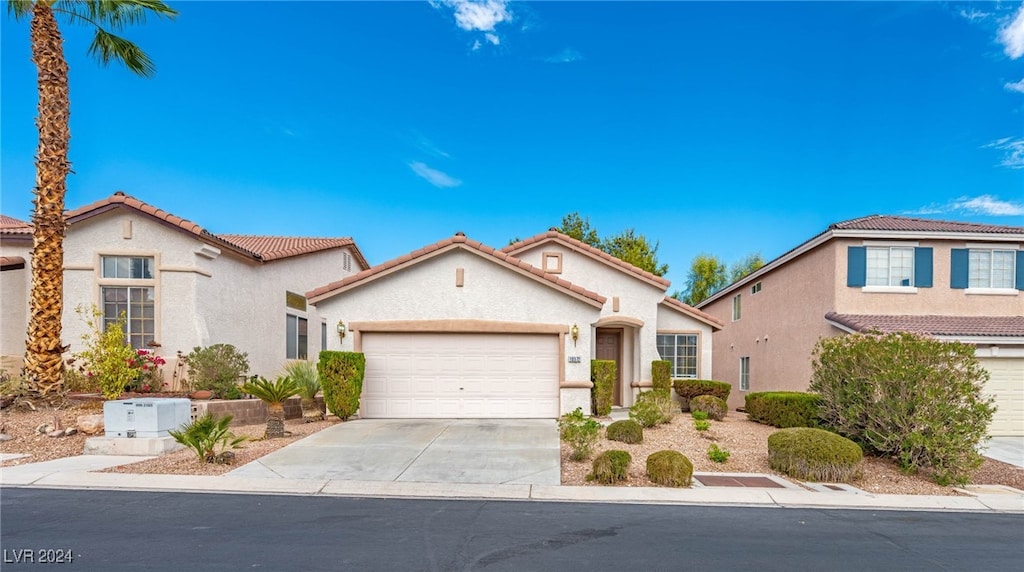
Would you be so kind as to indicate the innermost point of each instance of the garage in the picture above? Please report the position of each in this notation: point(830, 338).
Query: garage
point(460, 375)
point(1006, 385)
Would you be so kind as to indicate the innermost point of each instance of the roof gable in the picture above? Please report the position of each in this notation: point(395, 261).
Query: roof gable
point(688, 310)
point(932, 325)
point(589, 251)
point(908, 224)
point(459, 241)
point(10, 226)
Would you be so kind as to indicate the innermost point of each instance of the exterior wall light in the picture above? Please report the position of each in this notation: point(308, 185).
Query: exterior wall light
point(341, 329)
point(574, 331)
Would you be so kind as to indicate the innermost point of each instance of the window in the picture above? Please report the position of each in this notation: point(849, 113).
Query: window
point(552, 262)
point(736, 307)
point(681, 351)
point(755, 288)
point(126, 289)
point(297, 334)
point(323, 336)
point(744, 373)
point(890, 266)
point(991, 268)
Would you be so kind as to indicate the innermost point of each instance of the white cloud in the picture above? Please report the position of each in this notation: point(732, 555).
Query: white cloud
point(478, 16)
point(1013, 149)
point(566, 56)
point(1011, 35)
point(974, 14)
point(437, 178)
point(1017, 86)
point(986, 205)
point(492, 38)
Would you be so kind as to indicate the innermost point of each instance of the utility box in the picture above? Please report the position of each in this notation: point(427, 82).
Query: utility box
point(145, 417)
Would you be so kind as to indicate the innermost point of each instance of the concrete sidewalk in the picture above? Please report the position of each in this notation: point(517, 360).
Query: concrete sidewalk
point(74, 473)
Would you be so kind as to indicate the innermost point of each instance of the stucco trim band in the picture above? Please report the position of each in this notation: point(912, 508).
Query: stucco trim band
point(619, 321)
point(458, 326)
point(576, 385)
point(192, 269)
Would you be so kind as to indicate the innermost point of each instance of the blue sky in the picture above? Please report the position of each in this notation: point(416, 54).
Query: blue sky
point(725, 128)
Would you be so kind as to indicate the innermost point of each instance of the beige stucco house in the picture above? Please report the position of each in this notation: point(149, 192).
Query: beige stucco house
point(461, 329)
point(180, 285)
point(952, 280)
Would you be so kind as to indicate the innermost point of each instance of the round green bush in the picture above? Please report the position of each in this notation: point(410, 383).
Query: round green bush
point(783, 409)
point(610, 466)
point(669, 468)
point(625, 431)
point(814, 455)
point(715, 407)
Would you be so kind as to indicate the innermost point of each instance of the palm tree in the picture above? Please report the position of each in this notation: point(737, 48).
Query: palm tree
point(43, 364)
point(274, 394)
point(305, 376)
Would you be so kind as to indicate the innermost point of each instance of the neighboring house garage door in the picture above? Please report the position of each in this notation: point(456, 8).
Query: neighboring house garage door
point(1006, 386)
point(425, 375)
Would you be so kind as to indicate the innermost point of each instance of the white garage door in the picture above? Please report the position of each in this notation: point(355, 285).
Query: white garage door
point(1006, 384)
point(460, 375)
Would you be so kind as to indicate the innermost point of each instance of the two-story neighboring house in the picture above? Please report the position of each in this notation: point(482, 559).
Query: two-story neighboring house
point(180, 285)
point(951, 280)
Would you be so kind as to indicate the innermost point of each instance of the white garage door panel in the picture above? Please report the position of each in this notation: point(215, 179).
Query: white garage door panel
point(1006, 385)
point(460, 375)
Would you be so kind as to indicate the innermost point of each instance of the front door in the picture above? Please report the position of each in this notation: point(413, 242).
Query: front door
point(609, 347)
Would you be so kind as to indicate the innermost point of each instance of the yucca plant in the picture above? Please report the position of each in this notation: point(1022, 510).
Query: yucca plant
point(206, 434)
point(274, 394)
point(305, 376)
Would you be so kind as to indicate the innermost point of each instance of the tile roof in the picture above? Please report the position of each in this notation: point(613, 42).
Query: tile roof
point(11, 262)
point(587, 249)
point(12, 226)
point(688, 309)
point(260, 248)
point(996, 326)
point(899, 223)
point(457, 241)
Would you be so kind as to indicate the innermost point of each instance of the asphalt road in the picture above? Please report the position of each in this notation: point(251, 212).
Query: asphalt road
point(109, 530)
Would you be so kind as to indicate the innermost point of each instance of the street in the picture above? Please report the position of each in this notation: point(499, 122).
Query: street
point(113, 530)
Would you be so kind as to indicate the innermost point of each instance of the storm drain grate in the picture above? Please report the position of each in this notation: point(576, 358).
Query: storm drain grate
point(726, 481)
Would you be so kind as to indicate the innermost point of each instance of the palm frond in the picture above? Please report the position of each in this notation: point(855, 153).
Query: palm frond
point(271, 392)
point(305, 376)
point(19, 8)
point(106, 47)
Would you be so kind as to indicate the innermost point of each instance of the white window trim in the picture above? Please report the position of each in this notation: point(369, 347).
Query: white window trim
point(992, 291)
point(889, 243)
point(737, 307)
point(991, 250)
point(747, 388)
point(697, 348)
point(890, 289)
point(154, 283)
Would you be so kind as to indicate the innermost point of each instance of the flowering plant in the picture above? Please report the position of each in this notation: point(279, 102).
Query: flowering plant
point(149, 378)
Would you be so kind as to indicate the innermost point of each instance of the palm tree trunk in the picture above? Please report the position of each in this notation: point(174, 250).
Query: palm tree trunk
point(275, 421)
point(43, 363)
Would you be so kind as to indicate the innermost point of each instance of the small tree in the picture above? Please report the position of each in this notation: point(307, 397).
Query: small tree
point(341, 375)
point(107, 356)
point(217, 368)
point(274, 394)
point(914, 398)
point(707, 275)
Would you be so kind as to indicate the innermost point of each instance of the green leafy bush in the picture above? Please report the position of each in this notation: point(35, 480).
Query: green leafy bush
point(580, 432)
point(699, 415)
point(625, 431)
point(107, 357)
point(217, 368)
point(341, 376)
point(208, 437)
point(783, 408)
point(687, 389)
point(669, 468)
point(603, 373)
point(909, 397)
point(701, 424)
point(713, 406)
point(303, 373)
point(610, 466)
point(274, 394)
point(718, 455)
point(812, 454)
point(661, 375)
point(651, 408)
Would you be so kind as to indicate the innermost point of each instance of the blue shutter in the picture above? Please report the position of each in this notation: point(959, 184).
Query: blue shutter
point(958, 268)
point(1020, 270)
point(923, 267)
point(856, 266)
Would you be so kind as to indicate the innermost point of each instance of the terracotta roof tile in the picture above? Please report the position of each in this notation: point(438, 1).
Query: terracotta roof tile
point(997, 326)
point(587, 249)
point(458, 241)
point(688, 309)
point(11, 262)
point(899, 223)
point(12, 226)
point(276, 247)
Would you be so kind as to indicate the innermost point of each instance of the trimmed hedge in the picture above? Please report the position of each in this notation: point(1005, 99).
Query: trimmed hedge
point(610, 466)
point(715, 408)
point(341, 378)
point(625, 431)
point(661, 375)
point(812, 454)
point(652, 408)
point(669, 468)
point(783, 408)
point(602, 373)
point(687, 389)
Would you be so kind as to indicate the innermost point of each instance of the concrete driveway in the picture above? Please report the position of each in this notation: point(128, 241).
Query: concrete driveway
point(493, 451)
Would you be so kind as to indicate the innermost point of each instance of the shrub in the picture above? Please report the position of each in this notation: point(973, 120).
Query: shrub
point(687, 389)
point(625, 431)
point(783, 408)
point(274, 394)
point(661, 375)
point(701, 424)
point(303, 373)
point(341, 377)
point(913, 398)
point(580, 432)
point(107, 355)
point(812, 454)
point(651, 409)
point(713, 406)
point(217, 368)
point(602, 373)
point(699, 415)
point(610, 466)
point(669, 468)
point(718, 455)
point(206, 435)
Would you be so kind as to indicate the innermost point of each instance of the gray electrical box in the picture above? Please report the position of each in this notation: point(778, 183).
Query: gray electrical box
point(145, 417)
